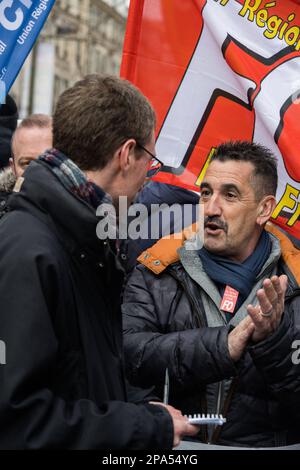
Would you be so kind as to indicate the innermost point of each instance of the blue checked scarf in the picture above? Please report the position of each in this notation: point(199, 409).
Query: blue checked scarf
point(73, 179)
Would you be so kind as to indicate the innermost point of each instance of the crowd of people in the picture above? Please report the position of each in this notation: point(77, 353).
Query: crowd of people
point(93, 328)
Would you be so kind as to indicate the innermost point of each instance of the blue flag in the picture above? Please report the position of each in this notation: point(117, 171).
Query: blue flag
point(20, 24)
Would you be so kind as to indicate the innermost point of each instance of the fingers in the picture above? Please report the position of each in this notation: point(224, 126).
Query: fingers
point(259, 318)
point(181, 425)
point(238, 338)
point(262, 326)
point(267, 314)
point(283, 284)
point(243, 331)
point(244, 325)
point(267, 296)
point(271, 296)
point(191, 430)
point(255, 314)
point(277, 288)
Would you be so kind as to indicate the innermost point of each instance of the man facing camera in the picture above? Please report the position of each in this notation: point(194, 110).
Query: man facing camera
point(224, 318)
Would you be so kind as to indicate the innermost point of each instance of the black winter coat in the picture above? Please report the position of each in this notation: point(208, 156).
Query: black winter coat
point(8, 124)
point(63, 384)
point(165, 327)
point(155, 193)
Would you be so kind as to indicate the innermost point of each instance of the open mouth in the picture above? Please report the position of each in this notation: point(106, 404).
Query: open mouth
point(212, 228)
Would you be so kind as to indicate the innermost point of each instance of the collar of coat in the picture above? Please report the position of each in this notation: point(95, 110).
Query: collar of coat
point(165, 251)
point(7, 180)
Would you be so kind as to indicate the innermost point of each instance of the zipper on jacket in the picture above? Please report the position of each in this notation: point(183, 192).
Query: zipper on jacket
point(210, 435)
point(195, 306)
point(220, 390)
point(201, 320)
point(227, 401)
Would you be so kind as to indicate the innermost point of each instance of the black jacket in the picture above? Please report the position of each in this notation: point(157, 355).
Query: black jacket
point(155, 193)
point(63, 384)
point(8, 124)
point(165, 326)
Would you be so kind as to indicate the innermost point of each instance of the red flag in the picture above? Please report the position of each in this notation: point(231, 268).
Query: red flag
point(218, 70)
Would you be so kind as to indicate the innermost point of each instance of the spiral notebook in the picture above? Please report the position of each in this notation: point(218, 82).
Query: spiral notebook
point(206, 419)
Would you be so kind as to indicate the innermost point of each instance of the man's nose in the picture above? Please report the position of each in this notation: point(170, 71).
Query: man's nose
point(213, 207)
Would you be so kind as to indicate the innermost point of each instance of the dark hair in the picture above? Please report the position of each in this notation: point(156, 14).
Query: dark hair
point(263, 160)
point(96, 116)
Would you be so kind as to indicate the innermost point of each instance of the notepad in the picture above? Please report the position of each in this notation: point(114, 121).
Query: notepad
point(206, 419)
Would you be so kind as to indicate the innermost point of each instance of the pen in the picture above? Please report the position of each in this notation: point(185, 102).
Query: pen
point(166, 387)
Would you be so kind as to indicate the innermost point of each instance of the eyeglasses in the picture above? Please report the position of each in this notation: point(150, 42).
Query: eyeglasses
point(155, 165)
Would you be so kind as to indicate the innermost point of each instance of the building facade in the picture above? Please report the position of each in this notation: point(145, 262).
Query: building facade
point(79, 37)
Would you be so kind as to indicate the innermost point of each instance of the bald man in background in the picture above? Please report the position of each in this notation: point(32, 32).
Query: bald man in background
point(30, 139)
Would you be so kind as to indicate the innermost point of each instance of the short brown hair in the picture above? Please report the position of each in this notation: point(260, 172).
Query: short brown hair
point(96, 116)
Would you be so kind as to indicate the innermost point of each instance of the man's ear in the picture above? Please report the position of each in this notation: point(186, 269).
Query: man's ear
point(126, 155)
point(266, 208)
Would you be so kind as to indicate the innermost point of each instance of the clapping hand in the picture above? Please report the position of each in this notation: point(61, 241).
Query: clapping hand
point(266, 315)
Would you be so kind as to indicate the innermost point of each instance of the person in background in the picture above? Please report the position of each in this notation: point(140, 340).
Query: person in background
point(8, 124)
point(31, 138)
point(165, 198)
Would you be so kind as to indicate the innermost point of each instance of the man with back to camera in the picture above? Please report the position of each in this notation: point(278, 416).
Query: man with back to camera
point(223, 319)
point(63, 383)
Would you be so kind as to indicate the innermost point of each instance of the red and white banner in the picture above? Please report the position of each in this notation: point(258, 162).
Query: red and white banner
point(218, 70)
